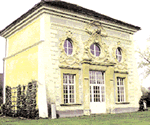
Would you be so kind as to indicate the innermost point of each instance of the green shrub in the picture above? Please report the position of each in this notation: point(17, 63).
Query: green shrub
point(26, 101)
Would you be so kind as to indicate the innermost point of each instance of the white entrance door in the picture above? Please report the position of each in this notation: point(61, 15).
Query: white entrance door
point(97, 92)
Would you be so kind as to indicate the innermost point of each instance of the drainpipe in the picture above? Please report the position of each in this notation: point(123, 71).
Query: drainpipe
point(4, 67)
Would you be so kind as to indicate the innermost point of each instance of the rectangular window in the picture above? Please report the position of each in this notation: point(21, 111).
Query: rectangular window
point(121, 89)
point(97, 87)
point(69, 88)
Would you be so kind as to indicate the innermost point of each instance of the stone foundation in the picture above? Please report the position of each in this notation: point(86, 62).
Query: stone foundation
point(69, 113)
point(125, 110)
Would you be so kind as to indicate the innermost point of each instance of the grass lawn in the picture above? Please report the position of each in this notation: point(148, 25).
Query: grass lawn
point(136, 118)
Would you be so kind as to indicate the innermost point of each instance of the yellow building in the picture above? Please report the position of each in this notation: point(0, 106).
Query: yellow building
point(83, 61)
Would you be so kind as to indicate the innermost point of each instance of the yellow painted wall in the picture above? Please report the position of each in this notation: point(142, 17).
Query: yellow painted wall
point(25, 37)
point(23, 67)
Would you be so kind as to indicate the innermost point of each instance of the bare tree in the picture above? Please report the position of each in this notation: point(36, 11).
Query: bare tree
point(145, 61)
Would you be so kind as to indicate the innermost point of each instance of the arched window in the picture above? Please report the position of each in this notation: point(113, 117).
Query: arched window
point(119, 54)
point(68, 46)
point(95, 49)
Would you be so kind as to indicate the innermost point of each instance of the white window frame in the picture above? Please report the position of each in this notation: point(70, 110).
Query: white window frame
point(68, 85)
point(120, 93)
point(100, 86)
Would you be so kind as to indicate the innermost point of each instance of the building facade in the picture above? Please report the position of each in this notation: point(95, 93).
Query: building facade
point(83, 61)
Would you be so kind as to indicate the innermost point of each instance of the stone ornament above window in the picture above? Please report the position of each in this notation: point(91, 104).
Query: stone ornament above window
point(95, 27)
point(69, 49)
point(119, 56)
point(95, 50)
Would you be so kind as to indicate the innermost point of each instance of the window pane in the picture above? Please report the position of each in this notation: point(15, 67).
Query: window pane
point(72, 79)
point(97, 53)
point(64, 79)
point(102, 77)
point(121, 82)
point(118, 80)
point(66, 50)
point(92, 47)
point(92, 51)
point(68, 88)
point(118, 54)
point(119, 58)
point(65, 44)
point(66, 100)
point(118, 98)
point(95, 50)
point(119, 51)
point(120, 89)
point(96, 93)
point(97, 89)
point(70, 52)
point(103, 98)
point(68, 46)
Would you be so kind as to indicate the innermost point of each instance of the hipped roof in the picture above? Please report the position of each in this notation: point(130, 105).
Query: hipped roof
point(73, 8)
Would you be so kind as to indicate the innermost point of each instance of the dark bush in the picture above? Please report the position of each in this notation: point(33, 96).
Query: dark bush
point(26, 101)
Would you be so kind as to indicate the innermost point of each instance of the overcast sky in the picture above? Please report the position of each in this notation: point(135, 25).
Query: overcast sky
point(136, 12)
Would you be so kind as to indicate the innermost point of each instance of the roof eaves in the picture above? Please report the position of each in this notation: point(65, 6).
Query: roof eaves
point(78, 9)
point(22, 17)
point(72, 7)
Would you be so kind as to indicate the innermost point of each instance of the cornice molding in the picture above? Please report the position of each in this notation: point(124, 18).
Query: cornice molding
point(24, 49)
point(121, 71)
point(62, 26)
point(70, 67)
point(12, 28)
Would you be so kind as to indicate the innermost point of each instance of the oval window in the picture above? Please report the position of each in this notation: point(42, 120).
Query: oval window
point(119, 54)
point(68, 46)
point(95, 49)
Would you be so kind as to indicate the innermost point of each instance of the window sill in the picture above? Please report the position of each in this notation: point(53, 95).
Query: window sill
point(70, 104)
point(122, 103)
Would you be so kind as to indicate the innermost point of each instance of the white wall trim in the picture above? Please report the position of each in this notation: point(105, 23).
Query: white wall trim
point(42, 99)
point(42, 28)
point(4, 71)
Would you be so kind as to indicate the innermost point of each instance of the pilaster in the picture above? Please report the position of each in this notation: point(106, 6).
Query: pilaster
point(109, 85)
point(42, 99)
point(86, 87)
